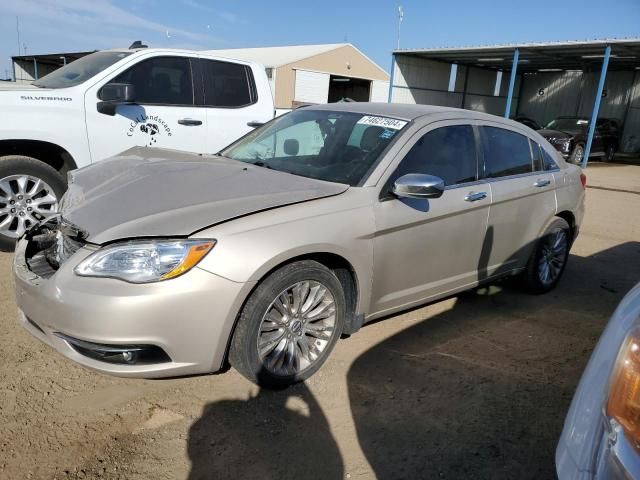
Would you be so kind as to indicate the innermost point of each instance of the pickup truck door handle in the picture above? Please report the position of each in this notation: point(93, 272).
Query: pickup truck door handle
point(254, 124)
point(189, 122)
point(475, 196)
point(542, 183)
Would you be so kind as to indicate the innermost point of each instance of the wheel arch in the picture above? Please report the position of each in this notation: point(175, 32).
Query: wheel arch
point(342, 268)
point(337, 263)
point(47, 152)
point(570, 218)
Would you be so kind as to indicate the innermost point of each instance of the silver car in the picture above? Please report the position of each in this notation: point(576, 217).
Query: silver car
point(165, 263)
point(601, 433)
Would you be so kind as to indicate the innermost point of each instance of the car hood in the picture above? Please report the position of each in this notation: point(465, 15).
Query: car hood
point(149, 192)
point(546, 133)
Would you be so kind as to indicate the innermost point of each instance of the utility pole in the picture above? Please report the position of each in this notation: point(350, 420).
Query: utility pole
point(18, 31)
point(400, 17)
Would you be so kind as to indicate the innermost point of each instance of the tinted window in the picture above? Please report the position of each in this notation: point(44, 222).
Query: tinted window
point(161, 80)
point(536, 151)
point(505, 152)
point(569, 125)
point(547, 160)
point(447, 152)
point(76, 72)
point(226, 84)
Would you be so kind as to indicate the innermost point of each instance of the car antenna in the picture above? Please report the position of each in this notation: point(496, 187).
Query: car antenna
point(137, 44)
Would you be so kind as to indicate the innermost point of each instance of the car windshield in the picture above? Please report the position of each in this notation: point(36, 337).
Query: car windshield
point(78, 71)
point(333, 146)
point(569, 125)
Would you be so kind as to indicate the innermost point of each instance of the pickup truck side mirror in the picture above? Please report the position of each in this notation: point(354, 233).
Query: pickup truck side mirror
point(114, 94)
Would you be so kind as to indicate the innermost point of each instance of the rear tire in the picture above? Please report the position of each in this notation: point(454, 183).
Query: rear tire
point(609, 153)
point(275, 348)
point(549, 258)
point(14, 171)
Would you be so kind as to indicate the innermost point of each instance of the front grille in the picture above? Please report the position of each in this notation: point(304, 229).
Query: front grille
point(50, 245)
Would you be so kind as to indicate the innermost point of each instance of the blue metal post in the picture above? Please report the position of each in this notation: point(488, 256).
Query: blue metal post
point(512, 83)
point(35, 68)
point(596, 106)
point(393, 69)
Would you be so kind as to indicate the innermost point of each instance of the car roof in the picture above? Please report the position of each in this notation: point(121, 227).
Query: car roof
point(406, 111)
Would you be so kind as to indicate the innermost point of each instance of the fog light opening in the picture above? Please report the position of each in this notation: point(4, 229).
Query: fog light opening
point(130, 357)
point(117, 354)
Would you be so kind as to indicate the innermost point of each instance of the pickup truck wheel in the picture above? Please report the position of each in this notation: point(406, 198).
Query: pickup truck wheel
point(289, 325)
point(577, 155)
point(29, 192)
point(609, 154)
point(549, 258)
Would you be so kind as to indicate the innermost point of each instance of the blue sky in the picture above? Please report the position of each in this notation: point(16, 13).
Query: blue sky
point(49, 26)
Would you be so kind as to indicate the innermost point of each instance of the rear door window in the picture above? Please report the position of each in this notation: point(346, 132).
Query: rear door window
point(446, 152)
point(548, 161)
point(536, 151)
point(542, 161)
point(227, 85)
point(505, 152)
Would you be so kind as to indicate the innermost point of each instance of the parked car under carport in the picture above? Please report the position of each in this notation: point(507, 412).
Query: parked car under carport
point(569, 135)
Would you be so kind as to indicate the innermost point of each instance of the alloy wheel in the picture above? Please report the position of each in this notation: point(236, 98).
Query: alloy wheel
point(296, 328)
point(579, 154)
point(24, 201)
point(553, 255)
point(610, 154)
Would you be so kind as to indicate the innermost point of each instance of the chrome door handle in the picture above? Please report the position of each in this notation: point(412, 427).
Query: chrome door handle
point(542, 183)
point(475, 196)
point(189, 122)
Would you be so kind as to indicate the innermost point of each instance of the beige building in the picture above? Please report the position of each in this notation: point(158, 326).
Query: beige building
point(304, 74)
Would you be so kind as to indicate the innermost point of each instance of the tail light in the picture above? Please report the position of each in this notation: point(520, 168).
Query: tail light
point(583, 179)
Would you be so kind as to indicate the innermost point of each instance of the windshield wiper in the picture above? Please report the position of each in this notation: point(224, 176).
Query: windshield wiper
point(260, 163)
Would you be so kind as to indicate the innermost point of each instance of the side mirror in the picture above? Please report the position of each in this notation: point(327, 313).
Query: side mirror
point(418, 185)
point(291, 146)
point(114, 94)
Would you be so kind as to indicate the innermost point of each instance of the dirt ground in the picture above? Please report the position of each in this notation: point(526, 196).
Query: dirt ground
point(476, 386)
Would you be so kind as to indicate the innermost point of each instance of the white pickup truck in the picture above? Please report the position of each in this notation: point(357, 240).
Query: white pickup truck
point(108, 102)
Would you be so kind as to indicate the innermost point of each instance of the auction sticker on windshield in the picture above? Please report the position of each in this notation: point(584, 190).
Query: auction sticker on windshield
point(382, 122)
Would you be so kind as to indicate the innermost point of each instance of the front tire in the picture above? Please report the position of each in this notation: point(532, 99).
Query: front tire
point(549, 258)
point(29, 192)
point(577, 155)
point(289, 325)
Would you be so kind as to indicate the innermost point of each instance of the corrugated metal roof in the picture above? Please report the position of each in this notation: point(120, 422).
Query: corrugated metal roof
point(276, 56)
point(577, 54)
point(566, 43)
point(568, 54)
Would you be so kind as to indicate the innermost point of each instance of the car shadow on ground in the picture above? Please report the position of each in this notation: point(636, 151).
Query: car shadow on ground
point(275, 434)
point(481, 390)
point(478, 391)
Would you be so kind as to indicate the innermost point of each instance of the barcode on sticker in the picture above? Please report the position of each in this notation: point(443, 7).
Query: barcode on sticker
point(382, 122)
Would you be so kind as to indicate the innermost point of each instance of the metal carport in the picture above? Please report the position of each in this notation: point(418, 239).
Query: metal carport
point(581, 78)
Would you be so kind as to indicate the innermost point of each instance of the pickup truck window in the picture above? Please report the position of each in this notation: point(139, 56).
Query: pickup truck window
point(83, 69)
point(227, 84)
point(160, 81)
